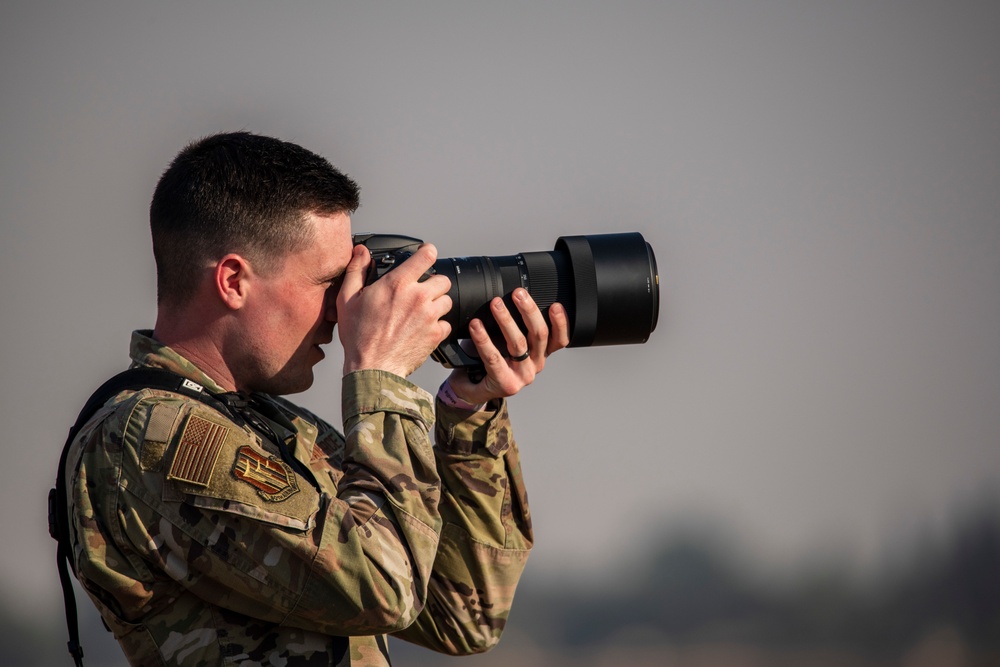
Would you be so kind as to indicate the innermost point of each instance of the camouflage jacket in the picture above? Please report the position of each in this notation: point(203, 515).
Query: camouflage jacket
point(200, 545)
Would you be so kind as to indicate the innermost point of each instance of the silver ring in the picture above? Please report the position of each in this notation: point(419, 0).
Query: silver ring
point(522, 357)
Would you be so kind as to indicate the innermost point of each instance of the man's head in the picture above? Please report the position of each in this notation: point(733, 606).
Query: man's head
point(242, 193)
point(251, 236)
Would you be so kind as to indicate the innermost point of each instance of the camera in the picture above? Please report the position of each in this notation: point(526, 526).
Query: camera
point(608, 284)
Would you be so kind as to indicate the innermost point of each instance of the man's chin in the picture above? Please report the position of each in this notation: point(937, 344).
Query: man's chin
point(282, 385)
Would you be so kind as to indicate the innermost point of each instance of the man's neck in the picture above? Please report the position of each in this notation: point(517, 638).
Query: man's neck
point(199, 345)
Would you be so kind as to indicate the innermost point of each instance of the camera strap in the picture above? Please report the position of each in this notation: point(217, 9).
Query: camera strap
point(59, 522)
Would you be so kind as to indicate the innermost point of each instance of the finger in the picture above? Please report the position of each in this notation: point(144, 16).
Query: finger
point(559, 331)
point(443, 305)
point(492, 358)
point(438, 285)
point(538, 331)
point(443, 330)
point(354, 274)
point(516, 342)
point(416, 265)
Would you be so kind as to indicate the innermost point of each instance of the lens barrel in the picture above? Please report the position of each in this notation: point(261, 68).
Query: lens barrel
point(608, 284)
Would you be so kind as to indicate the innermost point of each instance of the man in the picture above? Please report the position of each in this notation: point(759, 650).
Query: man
point(259, 534)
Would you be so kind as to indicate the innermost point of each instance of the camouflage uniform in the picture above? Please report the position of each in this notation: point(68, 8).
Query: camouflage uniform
point(201, 546)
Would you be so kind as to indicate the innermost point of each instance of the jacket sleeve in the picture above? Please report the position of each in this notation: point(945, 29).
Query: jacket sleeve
point(191, 500)
point(486, 534)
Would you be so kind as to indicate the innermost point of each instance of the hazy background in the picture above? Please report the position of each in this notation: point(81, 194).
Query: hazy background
point(820, 182)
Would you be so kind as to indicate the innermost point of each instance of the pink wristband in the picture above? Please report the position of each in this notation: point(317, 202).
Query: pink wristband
point(451, 399)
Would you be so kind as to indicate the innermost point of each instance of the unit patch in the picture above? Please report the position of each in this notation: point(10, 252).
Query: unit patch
point(273, 479)
point(198, 450)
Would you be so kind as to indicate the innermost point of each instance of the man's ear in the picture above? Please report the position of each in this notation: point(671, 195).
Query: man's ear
point(232, 280)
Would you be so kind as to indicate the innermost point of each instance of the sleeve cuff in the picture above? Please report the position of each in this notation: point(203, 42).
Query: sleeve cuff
point(369, 391)
point(463, 432)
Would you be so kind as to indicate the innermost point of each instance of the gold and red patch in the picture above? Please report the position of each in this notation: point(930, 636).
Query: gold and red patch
point(273, 479)
point(199, 448)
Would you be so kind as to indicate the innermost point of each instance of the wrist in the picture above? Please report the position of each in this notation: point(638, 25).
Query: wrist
point(446, 394)
point(355, 365)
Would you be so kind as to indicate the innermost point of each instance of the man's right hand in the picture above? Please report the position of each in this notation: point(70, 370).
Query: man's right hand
point(394, 323)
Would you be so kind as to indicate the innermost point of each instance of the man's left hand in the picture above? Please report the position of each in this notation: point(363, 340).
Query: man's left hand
point(507, 374)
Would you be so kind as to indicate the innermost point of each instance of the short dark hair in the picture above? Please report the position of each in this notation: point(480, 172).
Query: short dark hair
point(238, 192)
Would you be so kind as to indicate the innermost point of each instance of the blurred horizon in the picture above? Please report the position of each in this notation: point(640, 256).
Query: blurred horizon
point(685, 597)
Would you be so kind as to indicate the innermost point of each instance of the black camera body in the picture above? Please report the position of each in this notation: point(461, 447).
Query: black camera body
point(608, 284)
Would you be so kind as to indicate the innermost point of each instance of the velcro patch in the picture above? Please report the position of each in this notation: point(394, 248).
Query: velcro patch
point(273, 479)
point(199, 448)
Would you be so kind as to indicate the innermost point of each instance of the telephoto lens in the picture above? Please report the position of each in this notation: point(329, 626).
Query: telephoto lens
point(608, 284)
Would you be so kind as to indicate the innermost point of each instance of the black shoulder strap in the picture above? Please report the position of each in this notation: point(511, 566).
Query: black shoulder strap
point(132, 379)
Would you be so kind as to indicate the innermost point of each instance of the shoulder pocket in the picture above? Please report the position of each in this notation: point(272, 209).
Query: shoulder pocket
point(216, 465)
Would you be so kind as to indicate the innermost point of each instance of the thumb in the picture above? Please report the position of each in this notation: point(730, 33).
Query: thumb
point(355, 273)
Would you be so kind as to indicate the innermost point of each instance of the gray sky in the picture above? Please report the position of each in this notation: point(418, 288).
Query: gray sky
point(820, 182)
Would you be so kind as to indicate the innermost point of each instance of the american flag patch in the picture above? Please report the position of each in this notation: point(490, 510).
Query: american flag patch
point(198, 451)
